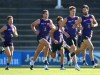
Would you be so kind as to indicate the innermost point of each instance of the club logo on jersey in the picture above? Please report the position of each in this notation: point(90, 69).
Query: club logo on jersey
point(45, 24)
point(9, 29)
point(73, 20)
point(69, 21)
point(84, 20)
point(42, 23)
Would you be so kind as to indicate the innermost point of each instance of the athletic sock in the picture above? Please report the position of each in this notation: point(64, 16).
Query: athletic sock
point(46, 62)
point(62, 65)
point(32, 62)
point(7, 64)
point(84, 61)
point(93, 62)
point(45, 58)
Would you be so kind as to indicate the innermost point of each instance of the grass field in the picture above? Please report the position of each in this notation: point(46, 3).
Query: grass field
point(51, 71)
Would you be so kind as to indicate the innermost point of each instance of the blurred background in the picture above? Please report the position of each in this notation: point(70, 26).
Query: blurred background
point(26, 11)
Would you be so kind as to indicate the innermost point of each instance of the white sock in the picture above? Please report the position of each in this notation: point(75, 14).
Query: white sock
point(46, 66)
point(71, 60)
point(31, 62)
point(45, 58)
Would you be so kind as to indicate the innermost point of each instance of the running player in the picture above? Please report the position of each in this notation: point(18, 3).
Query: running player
point(9, 31)
point(88, 22)
point(57, 41)
point(71, 33)
point(45, 25)
point(79, 41)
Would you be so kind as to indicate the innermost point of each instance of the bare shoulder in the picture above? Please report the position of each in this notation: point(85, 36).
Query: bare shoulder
point(50, 21)
point(36, 22)
point(3, 28)
point(93, 16)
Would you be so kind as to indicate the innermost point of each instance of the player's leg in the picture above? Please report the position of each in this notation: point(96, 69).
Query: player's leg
point(62, 58)
point(84, 55)
point(91, 49)
point(8, 54)
point(46, 50)
point(38, 50)
point(53, 55)
point(67, 53)
point(48, 53)
point(84, 58)
point(82, 48)
point(45, 58)
point(73, 48)
point(54, 48)
point(83, 52)
point(72, 43)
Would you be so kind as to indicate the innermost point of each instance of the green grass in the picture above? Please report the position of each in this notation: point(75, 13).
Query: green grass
point(52, 71)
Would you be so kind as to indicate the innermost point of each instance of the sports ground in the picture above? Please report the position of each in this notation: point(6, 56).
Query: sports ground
point(51, 71)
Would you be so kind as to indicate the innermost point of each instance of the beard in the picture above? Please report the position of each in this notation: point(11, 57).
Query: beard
point(85, 13)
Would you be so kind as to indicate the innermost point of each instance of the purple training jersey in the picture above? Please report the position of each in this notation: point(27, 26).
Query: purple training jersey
point(8, 34)
point(70, 26)
point(86, 24)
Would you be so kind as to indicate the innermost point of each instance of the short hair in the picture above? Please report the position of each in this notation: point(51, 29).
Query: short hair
point(85, 6)
point(58, 18)
point(72, 7)
point(8, 17)
point(45, 11)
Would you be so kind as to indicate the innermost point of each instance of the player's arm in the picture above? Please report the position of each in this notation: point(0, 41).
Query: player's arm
point(52, 26)
point(33, 26)
point(78, 23)
point(94, 23)
point(53, 29)
point(15, 31)
point(2, 30)
point(52, 34)
point(61, 27)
